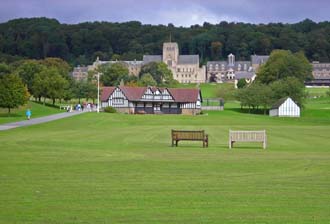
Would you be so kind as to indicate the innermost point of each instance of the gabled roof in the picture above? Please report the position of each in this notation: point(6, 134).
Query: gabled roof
point(106, 92)
point(280, 102)
point(184, 95)
point(136, 93)
point(133, 93)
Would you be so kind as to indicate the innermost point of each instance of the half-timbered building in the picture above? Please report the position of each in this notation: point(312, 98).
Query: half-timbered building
point(152, 100)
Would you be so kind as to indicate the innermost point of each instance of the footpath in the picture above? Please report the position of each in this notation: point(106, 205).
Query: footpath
point(39, 120)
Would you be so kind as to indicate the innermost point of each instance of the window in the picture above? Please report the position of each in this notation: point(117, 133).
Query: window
point(118, 101)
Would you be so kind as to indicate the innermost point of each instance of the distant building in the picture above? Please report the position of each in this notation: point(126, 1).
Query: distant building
point(134, 67)
point(321, 74)
point(232, 70)
point(249, 77)
point(185, 68)
point(285, 107)
point(80, 73)
point(152, 100)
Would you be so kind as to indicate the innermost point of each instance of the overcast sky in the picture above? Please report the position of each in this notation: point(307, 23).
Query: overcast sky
point(178, 12)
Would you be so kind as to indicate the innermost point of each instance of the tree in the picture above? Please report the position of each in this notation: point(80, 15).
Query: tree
point(216, 50)
point(79, 90)
point(4, 69)
point(241, 83)
point(159, 72)
point(62, 67)
point(282, 64)
point(255, 96)
point(40, 85)
point(49, 83)
point(13, 92)
point(147, 80)
point(27, 71)
point(56, 86)
point(289, 87)
point(112, 74)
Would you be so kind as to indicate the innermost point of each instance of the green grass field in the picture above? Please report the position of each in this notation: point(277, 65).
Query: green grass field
point(115, 168)
point(317, 91)
point(38, 110)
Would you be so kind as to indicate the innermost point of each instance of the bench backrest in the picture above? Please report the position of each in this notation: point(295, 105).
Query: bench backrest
point(247, 136)
point(188, 135)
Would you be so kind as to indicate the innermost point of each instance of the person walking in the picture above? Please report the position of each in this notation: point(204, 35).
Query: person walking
point(28, 114)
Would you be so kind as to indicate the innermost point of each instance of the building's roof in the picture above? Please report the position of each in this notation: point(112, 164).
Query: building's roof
point(188, 59)
point(244, 75)
point(106, 92)
point(80, 69)
point(280, 102)
point(259, 59)
point(184, 95)
point(136, 93)
point(133, 93)
point(152, 58)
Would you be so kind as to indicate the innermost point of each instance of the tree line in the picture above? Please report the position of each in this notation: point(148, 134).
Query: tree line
point(39, 38)
point(48, 78)
point(151, 74)
point(282, 76)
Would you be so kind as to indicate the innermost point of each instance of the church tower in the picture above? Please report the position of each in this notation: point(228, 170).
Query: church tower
point(231, 60)
point(171, 54)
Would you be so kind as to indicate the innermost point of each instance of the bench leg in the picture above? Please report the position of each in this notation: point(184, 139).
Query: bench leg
point(176, 143)
point(264, 145)
point(231, 144)
point(172, 143)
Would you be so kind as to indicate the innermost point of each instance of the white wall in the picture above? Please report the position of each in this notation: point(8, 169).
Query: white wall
point(273, 112)
point(288, 109)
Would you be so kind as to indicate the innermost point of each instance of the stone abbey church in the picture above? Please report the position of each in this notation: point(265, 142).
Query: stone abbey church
point(187, 69)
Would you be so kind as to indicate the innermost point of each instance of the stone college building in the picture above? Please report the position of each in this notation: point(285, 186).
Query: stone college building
point(185, 68)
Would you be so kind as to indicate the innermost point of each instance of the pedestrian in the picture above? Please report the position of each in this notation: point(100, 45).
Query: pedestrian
point(28, 114)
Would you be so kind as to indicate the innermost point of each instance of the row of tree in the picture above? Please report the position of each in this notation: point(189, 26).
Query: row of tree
point(282, 76)
point(43, 79)
point(151, 74)
point(39, 38)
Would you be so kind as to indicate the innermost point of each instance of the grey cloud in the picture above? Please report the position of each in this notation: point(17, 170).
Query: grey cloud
point(178, 12)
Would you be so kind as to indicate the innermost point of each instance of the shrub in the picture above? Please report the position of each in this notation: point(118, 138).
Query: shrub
point(110, 110)
point(241, 83)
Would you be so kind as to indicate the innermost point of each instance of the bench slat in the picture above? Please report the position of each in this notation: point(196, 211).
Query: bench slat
point(247, 136)
point(178, 135)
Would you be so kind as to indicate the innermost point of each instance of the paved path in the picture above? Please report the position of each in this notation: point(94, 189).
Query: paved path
point(39, 120)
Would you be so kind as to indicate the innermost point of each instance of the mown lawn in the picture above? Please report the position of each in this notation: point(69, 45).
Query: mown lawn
point(115, 168)
point(38, 110)
point(318, 91)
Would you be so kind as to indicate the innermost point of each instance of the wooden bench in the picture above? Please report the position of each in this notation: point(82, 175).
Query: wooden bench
point(247, 136)
point(179, 135)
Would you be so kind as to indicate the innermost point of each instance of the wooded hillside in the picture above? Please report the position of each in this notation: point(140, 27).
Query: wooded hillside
point(80, 43)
